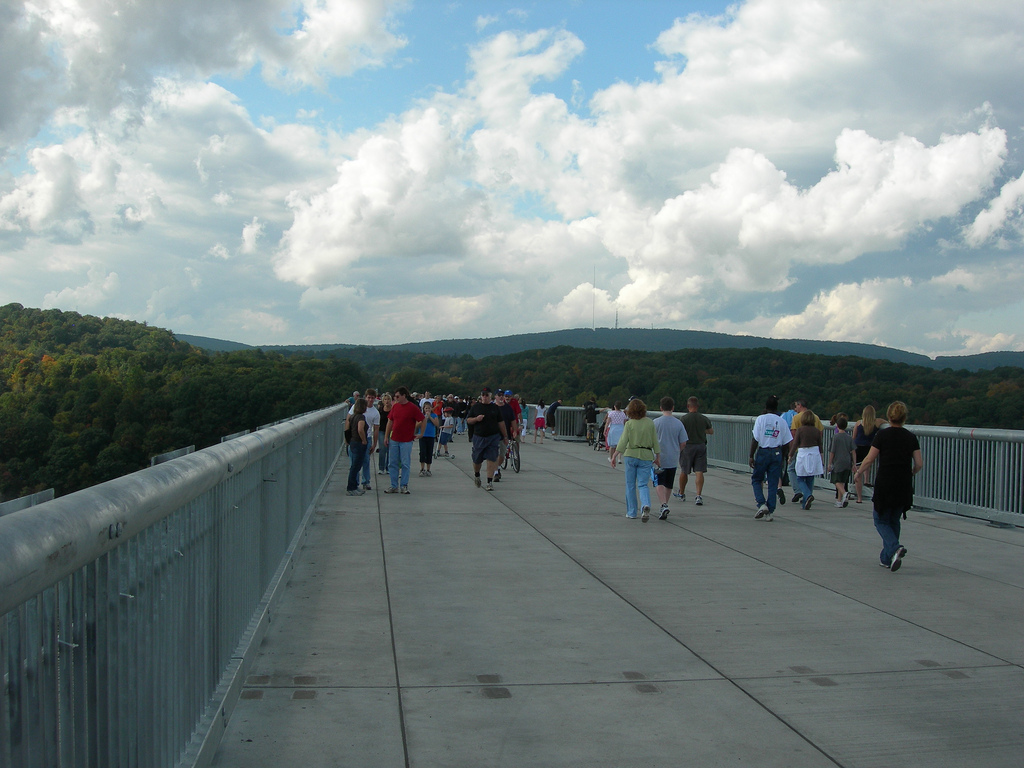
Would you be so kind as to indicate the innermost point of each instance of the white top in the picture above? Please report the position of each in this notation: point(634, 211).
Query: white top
point(372, 420)
point(771, 431)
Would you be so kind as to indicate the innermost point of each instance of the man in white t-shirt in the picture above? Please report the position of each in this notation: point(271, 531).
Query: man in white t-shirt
point(768, 451)
point(372, 434)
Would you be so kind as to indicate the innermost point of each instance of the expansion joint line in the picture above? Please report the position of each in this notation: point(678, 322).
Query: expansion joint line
point(391, 628)
point(675, 639)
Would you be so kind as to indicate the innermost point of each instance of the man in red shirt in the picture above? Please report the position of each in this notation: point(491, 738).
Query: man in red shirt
point(404, 420)
point(517, 408)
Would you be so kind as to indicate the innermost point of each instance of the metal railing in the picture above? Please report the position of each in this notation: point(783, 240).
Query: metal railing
point(130, 611)
point(971, 472)
point(568, 424)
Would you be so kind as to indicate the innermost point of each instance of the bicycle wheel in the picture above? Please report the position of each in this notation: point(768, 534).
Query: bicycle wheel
point(504, 463)
point(515, 456)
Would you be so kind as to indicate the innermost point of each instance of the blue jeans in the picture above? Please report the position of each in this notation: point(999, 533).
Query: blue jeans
point(887, 523)
point(638, 478)
point(367, 462)
point(399, 458)
point(767, 466)
point(805, 485)
point(382, 453)
point(791, 471)
point(356, 451)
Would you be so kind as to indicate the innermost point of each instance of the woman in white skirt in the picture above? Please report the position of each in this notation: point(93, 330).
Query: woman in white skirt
point(614, 423)
point(809, 464)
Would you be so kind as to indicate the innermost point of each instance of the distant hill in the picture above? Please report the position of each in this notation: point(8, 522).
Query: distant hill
point(643, 340)
point(212, 345)
point(986, 361)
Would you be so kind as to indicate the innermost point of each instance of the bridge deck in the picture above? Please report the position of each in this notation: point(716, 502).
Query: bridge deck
point(537, 626)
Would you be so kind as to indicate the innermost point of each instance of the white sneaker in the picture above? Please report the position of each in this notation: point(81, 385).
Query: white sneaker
point(762, 511)
point(699, 501)
point(645, 514)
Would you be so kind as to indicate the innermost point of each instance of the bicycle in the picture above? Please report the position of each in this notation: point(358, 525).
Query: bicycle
point(511, 455)
point(591, 433)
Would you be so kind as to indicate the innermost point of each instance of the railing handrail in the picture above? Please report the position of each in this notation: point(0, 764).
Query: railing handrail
point(922, 430)
point(968, 471)
point(130, 611)
point(43, 544)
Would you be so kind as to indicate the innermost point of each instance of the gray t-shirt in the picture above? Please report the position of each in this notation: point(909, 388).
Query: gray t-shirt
point(671, 438)
point(842, 444)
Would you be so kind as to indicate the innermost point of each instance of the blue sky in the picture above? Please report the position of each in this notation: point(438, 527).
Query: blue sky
point(378, 171)
point(438, 35)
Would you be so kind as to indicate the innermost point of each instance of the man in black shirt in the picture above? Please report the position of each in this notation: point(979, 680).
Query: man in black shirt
point(461, 408)
point(508, 418)
point(590, 417)
point(488, 432)
point(552, 410)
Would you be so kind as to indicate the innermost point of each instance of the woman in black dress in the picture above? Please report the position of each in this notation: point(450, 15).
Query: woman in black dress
point(899, 458)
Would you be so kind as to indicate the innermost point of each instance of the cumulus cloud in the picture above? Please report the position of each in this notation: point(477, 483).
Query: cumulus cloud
point(251, 234)
point(334, 38)
point(401, 195)
point(100, 289)
point(99, 55)
point(901, 311)
point(775, 151)
point(748, 227)
point(1004, 210)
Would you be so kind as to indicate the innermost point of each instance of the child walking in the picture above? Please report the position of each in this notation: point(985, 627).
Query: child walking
point(427, 437)
point(842, 457)
point(447, 430)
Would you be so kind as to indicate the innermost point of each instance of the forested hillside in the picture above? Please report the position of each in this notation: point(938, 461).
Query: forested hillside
point(726, 380)
point(84, 399)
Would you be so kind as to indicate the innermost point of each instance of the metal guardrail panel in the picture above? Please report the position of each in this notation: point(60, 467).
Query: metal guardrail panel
point(126, 609)
point(16, 505)
point(971, 472)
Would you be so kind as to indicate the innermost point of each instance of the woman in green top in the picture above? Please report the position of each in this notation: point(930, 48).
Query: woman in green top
point(639, 448)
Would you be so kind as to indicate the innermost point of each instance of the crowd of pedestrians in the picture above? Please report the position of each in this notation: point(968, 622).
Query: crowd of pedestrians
point(787, 448)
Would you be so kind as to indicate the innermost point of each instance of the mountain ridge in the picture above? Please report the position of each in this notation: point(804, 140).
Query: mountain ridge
point(639, 339)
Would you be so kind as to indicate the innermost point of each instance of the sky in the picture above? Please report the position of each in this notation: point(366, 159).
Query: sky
point(385, 171)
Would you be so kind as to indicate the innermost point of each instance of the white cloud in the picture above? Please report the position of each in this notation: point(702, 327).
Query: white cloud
point(335, 38)
point(747, 229)
point(902, 311)
point(775, 153)
point(261, 322)
point(1001, 211)
point(401, 196)
point(90, 297)
point(482, 22)
point(103, 54)
point(251, 234)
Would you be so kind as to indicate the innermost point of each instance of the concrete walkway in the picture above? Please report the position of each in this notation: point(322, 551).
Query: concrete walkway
point(537, 626)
